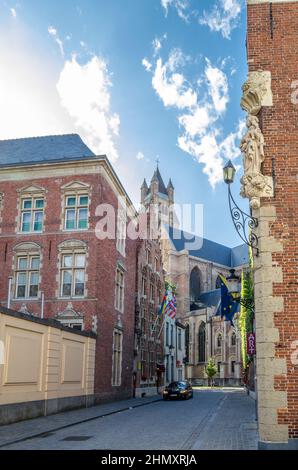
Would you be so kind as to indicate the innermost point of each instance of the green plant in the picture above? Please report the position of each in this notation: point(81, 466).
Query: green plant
point(210, 370)
point(246, 314)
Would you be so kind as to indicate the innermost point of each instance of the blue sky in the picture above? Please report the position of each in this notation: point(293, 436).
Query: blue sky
point(138, 80)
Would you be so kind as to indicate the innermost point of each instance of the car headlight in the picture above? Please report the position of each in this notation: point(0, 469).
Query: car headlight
point(165, 392)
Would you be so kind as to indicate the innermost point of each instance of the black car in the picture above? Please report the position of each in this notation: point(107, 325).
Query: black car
point(180, 389)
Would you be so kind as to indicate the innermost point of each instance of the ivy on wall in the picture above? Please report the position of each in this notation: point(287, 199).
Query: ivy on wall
point(246, 314)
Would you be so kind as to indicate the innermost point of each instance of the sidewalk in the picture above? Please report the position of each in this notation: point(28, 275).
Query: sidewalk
point(28, 429)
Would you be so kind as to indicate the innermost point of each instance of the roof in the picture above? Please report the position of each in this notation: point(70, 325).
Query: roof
point(50, 148)
point(208, 250)
point(157, 177)
point(211, 298)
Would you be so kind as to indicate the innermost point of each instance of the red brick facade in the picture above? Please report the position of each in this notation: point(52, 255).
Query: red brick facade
point(272, 43)
point(149, 337)
point(102, 260)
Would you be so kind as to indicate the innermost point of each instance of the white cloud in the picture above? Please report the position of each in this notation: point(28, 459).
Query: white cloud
point(170, 86)
point(140, 156)
point(218, 87)
point(180, 6)
point(53, 32)
point(200, 108)
point(146, 64)
point(13, 12)
point(84, 91)
point(223, 17)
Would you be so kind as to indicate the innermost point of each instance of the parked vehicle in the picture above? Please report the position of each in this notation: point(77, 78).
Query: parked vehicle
point(182, 390)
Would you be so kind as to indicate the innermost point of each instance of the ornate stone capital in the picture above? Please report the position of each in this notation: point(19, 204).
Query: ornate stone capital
point(255, 186)
point(256, 92)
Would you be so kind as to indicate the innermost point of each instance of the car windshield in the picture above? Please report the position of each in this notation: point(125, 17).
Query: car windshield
point(177, 385)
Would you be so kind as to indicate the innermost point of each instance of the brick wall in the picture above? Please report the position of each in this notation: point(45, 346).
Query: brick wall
point(272, 43)
point(102, 259)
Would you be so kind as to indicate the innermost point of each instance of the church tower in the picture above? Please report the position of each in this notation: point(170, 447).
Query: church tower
point(160, 197)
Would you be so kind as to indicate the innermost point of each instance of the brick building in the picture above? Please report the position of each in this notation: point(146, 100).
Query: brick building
point(52, 191)
point(149, 331)
point(270, 150)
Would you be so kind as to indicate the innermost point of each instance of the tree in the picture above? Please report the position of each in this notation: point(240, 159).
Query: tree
point(210, 370)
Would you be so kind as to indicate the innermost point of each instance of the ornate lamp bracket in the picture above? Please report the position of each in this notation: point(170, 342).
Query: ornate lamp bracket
point(243, 223)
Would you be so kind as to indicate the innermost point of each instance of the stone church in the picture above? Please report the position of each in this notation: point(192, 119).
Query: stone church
point(193, 264)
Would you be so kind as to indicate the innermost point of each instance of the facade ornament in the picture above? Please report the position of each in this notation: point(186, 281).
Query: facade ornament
point(255, 95)
point(24, 309)
point(256, 92)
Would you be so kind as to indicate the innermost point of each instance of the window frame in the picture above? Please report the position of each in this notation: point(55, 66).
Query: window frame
point(74, 268)
point(120, 289)
point(77, 207)
point(28, 271)
point(33, 211)
point(117, 357)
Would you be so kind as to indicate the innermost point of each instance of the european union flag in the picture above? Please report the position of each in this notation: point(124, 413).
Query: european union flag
point(228, 305)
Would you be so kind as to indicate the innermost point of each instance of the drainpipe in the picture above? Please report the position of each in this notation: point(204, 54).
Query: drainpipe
point(9, 291)
point(42, 305)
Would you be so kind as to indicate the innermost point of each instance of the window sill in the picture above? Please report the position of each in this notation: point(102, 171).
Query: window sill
point(27, 299)
point(78, 297)
point(30, 233)
point(75, 229)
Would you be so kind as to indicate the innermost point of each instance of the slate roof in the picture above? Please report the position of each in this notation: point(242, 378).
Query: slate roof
point(207, 249)
point(161, 186)
point(50, 148)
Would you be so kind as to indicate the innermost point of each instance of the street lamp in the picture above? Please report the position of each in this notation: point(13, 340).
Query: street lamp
point(234, 285)
point(243, 222)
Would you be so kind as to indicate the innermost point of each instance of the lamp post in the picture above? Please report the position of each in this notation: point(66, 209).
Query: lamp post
point(244, 223)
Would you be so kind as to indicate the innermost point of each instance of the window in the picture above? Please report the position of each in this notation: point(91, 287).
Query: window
point(151, 292)
point(27, 276)
point(76, 212)
point(218, 282)
point(156, 264)
point(121, 231)
point(233, 339)
point(219, 341)
point(194, 288)
point(73, 274)
point(32, 210)
point(172, 335)
point(117, 358)
point(218, 366)
point(143, 364)
point(119, 291)
point(152, 364)
point(148, 256)
point(232, 367)
point(144, 286)
point(179, 339)
point(202, 342)
point(167, 333)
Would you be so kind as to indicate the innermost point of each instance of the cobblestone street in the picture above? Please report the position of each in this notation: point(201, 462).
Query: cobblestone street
point(221, 419)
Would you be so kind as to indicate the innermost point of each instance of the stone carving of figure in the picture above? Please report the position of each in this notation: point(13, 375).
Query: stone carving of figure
point(252, 146)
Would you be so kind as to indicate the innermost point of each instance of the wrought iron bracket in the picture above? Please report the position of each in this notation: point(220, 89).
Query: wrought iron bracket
point(243, 223)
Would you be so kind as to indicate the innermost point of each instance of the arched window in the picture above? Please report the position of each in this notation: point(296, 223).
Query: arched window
point(219, 341)
point(218, 283)
point(187, 343)
point(202, 342)
point(194, 287)
point(233, 339)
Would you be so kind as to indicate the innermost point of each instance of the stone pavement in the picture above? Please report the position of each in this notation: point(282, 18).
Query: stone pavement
point(23, 430)
point(231, 425)
point(213, 419)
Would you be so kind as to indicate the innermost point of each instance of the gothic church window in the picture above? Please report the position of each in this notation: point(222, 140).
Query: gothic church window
point(202, 342)
point(194, 287)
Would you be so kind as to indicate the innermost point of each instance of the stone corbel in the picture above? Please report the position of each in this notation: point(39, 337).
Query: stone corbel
point(256, 93)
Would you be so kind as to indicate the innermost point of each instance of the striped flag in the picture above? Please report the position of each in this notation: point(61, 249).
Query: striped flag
point(169, 304)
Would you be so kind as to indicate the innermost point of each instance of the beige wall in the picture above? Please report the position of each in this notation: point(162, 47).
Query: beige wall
point(42, 362)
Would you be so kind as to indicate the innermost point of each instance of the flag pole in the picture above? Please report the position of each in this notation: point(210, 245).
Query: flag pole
point(154, 324)
point(161, 328)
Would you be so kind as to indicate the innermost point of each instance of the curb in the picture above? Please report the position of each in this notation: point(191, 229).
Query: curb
point(44, 433)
